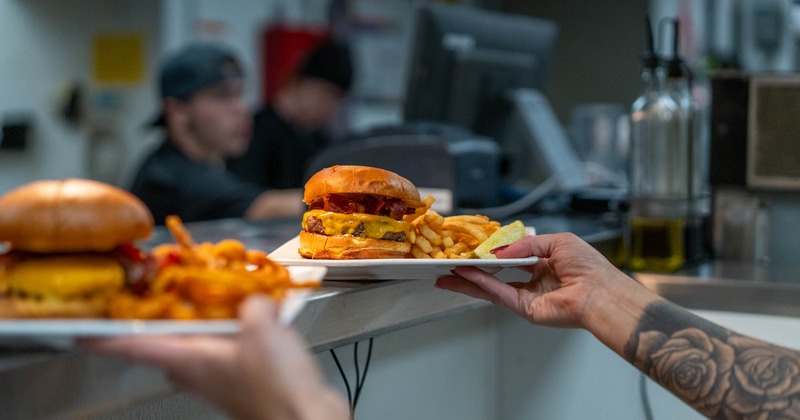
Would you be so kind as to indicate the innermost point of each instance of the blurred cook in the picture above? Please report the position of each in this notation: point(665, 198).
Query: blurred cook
point(290, 129)
point(206, 122)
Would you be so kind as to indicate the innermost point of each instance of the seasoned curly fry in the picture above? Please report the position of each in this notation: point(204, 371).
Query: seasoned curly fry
point(204, 280)
point(179, 232)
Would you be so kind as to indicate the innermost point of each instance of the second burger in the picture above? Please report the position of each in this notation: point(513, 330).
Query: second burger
point(356, 212)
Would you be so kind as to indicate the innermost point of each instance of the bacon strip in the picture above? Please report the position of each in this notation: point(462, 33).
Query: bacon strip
point(367, 204)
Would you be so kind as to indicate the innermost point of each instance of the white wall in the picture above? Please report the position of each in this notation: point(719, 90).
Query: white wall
point(45, 45)
point(561, 374)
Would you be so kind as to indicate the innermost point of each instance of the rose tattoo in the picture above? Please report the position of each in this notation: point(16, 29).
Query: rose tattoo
point(719, 373)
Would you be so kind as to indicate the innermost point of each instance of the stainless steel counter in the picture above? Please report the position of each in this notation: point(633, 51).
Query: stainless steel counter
point(37, 381)
point(731, 286)
point(41, 382)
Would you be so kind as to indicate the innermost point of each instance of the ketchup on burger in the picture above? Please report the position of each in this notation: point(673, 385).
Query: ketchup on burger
point(356, 212)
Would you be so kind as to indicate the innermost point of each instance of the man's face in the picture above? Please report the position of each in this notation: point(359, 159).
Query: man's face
point(319, 100)
point(219, 119)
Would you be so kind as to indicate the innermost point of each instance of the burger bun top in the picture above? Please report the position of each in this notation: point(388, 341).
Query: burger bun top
point(72, 215)
point(351, 179)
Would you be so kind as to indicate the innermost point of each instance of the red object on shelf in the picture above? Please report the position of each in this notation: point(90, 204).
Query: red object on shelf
point(282, 50)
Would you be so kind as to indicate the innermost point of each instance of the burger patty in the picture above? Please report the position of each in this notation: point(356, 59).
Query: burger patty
point(314, 225)
point(395, 236)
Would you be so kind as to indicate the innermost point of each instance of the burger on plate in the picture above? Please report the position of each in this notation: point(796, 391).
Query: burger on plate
point(356, 212)
point(69, 248)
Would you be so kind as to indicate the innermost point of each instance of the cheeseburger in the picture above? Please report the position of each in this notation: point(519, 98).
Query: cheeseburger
point(356, 212)
point(70, 247)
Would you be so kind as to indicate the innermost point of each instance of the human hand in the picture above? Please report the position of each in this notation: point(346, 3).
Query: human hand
point(276, 203)
point(264, 372)
point(568, 283)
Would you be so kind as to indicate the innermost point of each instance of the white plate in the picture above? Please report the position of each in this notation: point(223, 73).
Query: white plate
point(390, 268)
point(68, 328)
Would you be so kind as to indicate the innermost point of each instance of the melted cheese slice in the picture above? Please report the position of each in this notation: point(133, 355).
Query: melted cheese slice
point(375, 227)
point(65, 276)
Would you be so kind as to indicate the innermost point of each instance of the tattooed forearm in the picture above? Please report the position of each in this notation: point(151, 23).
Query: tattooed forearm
point(718, 372)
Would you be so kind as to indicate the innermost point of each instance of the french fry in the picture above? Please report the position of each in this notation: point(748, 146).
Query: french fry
point(447, 241)
point(418, 253)
point(206, 280)
point(476, 219)
point(467, 228)
point(423, 244)
point(179, 232)
point(417, 219)
point(430, 235)
point(435, 236)
point(428, 200)
point(459, 248)
point(435, 220)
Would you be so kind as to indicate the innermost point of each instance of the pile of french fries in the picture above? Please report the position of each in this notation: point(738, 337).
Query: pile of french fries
point(435, 236)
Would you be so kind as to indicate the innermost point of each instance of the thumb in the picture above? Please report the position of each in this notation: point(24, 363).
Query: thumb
point(258, 310)
point(529, 246)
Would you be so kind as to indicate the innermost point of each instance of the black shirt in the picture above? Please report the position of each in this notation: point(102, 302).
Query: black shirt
point(278, 154)
point(171, 183)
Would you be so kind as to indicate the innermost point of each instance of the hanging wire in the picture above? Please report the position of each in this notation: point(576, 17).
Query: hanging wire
point(360, 376)
point(360, 384)
point(644, 397)
point(344, 378)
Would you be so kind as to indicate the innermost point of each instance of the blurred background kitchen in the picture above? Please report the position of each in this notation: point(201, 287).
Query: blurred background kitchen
point(79, 78)
point(78, 88)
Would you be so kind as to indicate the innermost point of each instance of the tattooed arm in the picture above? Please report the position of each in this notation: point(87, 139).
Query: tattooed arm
point(719, 373)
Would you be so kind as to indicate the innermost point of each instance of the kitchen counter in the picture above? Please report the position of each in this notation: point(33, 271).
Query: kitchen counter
point(732, 287)
point(39, 381)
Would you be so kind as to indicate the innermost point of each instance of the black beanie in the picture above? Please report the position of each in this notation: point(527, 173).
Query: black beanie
point(329, 61)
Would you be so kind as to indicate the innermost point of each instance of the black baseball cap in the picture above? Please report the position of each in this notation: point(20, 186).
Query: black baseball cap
point(193, 68)
point(330, 61)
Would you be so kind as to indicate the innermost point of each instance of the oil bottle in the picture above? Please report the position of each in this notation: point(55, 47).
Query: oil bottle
point(660, 168)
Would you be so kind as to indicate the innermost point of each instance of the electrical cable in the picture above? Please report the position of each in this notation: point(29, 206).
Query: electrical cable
point(551, 184)
point(360, 376)
point(344, 378)
point(364, 376)
point(644, 397)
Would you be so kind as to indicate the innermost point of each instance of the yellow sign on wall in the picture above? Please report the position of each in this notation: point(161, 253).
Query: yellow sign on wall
point(118, 57)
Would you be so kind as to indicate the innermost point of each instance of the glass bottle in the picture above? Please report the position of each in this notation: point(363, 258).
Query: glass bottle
point(660, 174)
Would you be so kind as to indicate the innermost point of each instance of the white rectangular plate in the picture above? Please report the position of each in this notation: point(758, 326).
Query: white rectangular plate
point(69, 328)
point(390, 268)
